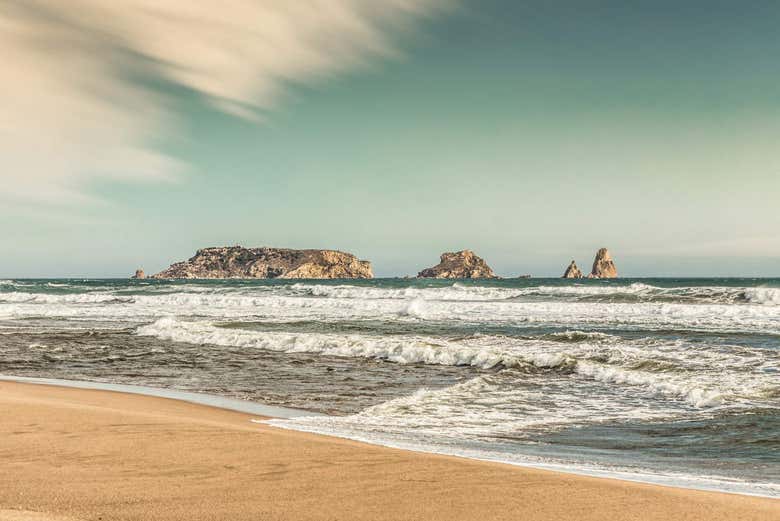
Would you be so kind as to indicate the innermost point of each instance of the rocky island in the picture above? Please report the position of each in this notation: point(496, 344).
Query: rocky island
point(459, 265)
point(603, 266)
point(572, 272)
point(237, 262)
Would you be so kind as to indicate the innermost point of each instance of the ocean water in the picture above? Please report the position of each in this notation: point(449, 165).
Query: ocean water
point(666, 380)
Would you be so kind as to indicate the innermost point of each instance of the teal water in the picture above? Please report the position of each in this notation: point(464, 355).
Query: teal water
point(673, 380)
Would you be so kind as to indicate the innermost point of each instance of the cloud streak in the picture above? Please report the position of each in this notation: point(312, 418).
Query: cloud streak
point(78, 105)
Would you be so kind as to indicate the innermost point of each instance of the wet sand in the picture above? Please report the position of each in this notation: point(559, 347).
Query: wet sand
point(70, 454)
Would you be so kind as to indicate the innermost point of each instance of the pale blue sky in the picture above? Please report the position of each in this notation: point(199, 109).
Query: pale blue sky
point(530, 132)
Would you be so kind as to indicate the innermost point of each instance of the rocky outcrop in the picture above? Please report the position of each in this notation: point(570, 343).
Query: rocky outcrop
point(572, 272)
point(237, 262)
point(459, 265)
point(603, 266)
point(139, 274)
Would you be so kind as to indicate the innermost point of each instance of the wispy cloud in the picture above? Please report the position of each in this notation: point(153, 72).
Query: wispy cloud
point(75, 107)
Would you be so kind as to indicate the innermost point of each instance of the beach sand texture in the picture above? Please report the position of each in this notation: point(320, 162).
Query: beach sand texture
point(71, 454)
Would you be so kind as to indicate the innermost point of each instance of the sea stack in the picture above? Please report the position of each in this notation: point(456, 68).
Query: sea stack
point(603, 266)
point(572, 272)
point(139, 274)
point(459, 265)
point(237, 262)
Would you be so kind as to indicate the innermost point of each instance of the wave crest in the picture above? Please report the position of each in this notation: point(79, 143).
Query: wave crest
point(483, 353)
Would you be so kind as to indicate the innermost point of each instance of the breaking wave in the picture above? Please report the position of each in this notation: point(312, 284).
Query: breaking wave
point(634, 292)
point(71, 298)
point(767, 296)
point(610, 364)
point(758, 314)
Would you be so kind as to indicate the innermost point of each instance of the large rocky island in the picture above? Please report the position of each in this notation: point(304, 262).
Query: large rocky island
point(237, 262)
point(459, 265)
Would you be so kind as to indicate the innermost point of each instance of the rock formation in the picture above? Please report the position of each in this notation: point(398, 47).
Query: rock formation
point(237, 262)
point(139, 274)
point(459, 265)
point(573, 272)
point(603, 267)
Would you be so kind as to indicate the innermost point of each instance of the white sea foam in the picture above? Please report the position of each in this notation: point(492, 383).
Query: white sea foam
point(269, 305)
point(474, 418)
point(766, 296)
point(70, 298)
point(456, 291)
point(689, 390)
point(698, 380)
point(423, 442)
point(485, 407)
point(465, 292)
point(642, 315)
point(403, 350)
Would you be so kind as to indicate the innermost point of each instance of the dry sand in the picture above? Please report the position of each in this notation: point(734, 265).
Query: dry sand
point(69, 454)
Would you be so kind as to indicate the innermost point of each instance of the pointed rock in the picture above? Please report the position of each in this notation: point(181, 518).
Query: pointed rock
point(459, 265)
point(572, 272)
point(139, 274)
point(603, 266)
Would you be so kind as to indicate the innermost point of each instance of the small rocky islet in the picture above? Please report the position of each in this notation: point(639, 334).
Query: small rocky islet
point(463, 264)
point(572, 272)
point(238, 262)
point(603, 267)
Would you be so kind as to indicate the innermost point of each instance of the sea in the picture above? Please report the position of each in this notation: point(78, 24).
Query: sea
point(670, 381)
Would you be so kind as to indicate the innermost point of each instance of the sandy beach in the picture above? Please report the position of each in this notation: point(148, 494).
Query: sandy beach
point(71, 454)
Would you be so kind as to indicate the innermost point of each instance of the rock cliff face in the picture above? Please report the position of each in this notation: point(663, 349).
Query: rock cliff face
point(459, 265)
point(572, 272)
point(603, 266)
point(237, 262)
point(139, 274)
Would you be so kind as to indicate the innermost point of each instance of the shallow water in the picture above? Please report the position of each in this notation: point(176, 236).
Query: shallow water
point(666, 378)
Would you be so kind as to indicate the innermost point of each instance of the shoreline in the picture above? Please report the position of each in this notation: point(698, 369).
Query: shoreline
point(209, 400)
point(205, 403)
point(81, 454)
point(683, 482)
point(275, 416)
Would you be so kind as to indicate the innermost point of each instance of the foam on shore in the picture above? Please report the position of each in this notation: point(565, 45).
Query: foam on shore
point(672, 479)
point(304, 421)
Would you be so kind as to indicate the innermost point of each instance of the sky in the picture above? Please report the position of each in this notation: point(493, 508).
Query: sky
point(532, 132)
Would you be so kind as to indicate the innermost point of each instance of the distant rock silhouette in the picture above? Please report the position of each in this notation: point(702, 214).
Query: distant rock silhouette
point(139, 274)
point(459, 265)
point(603, 266)
point(573, 272)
